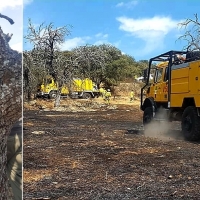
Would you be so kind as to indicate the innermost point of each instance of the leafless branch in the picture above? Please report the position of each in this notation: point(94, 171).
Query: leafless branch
point(7, 18)
point(192, 33)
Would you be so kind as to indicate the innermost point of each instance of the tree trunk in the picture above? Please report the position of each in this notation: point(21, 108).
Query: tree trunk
point(10, 101)
point(57, 100)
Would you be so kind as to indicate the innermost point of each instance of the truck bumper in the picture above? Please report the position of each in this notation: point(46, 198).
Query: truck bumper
point(42, 94)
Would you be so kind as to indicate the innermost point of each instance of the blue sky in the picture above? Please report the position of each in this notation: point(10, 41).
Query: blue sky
point(14, 10)
point(139, 28)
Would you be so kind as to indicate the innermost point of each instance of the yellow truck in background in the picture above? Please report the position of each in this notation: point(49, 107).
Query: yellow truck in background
point(175, 89)
point(78, 88)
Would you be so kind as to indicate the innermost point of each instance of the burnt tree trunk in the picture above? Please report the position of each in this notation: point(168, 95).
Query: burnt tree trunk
point(10, 101)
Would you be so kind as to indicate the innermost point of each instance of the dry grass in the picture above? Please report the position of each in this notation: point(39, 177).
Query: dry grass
point(90, 155)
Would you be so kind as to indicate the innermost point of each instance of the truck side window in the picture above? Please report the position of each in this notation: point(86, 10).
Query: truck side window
point(166, 74)
point(155, 76)
point(158, 77)
point(49, 81)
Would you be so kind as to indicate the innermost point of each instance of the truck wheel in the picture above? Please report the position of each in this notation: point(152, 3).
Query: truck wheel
point(52, 95)
point(147, 116)
point(86, 96)
point(190, 124)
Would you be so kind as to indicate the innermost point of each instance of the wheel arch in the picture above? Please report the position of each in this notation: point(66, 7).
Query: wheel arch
point(188, 102)
point(52, 92)
point(148, 102)
point(86, 95)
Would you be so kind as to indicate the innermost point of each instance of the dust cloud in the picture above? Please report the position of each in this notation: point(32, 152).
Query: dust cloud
point(162, 129)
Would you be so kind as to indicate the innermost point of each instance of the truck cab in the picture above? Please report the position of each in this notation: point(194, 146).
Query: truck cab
point(158, 90)
point(158, 85)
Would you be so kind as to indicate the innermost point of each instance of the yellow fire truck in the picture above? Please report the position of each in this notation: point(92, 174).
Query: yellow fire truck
point(175, 89)
point(77, 88)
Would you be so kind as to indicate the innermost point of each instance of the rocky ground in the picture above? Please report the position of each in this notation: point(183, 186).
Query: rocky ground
point(89, 150)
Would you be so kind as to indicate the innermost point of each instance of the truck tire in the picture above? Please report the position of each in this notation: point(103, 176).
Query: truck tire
point(52, 95)
point(86, 96)
point(147, 116)
point(190, 124)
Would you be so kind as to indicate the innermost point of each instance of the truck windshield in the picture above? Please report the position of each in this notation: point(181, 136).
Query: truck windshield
point(48, 81)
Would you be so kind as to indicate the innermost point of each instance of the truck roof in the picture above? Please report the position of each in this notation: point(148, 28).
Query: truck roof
point(165, 56)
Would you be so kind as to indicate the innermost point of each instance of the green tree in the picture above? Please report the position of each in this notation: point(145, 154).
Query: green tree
point(120, 69)
point(89, 62)
point(141, 65)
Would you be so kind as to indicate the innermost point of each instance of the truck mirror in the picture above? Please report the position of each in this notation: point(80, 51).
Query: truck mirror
point(145, 75)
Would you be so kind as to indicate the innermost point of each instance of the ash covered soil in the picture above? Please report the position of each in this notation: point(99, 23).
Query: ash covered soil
point(89, 150)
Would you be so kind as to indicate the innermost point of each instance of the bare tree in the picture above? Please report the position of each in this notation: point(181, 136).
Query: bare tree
point(46, 41)
point(192, 33)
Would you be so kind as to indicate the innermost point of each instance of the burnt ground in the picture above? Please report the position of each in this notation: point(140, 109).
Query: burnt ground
point(103, 154)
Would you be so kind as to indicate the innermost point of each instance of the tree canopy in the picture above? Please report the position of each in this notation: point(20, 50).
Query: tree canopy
point(101, 63)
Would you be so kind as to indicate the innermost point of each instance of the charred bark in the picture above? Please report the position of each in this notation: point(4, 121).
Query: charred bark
point(10, 101)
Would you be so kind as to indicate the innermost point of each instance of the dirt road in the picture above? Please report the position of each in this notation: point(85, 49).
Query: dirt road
point(99, 153)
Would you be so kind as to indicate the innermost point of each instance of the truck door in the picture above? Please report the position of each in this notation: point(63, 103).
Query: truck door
point(164, 86)
point(158, 84)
